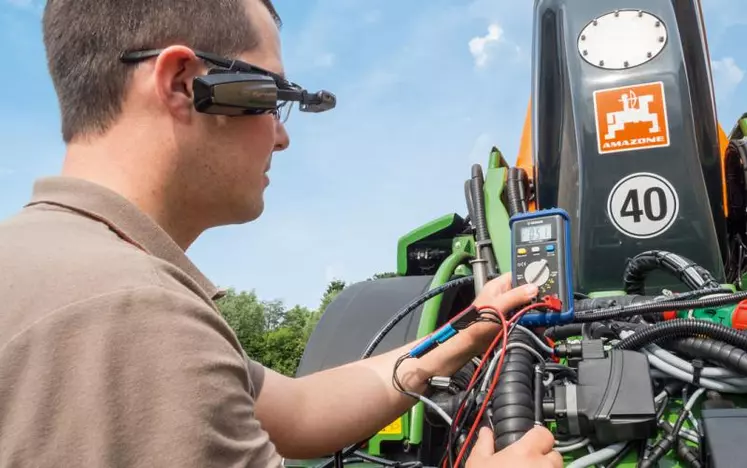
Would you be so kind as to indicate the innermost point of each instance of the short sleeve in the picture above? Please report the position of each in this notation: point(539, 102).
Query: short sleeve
point(140, 378)
point(256, 375)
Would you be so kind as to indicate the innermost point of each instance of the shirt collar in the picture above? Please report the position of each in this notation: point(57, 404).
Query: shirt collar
point(122, 216)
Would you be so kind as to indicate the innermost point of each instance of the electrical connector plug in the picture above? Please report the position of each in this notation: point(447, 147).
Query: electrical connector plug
point(460, 322)
point(553, 303)
point(466, 318)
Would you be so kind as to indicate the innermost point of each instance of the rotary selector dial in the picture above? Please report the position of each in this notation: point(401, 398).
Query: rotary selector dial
point(537, 272)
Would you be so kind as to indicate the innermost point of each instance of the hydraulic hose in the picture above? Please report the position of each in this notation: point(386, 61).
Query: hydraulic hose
point(516, 190)
point(582, 305)
point(681, 328)
point(482, 235)
point(561, 332)
point(713, 350)
point(690, 273)
point(401, 314)
point(478, 202)
point(659, 306)
point(513, 400)
point(409, 308)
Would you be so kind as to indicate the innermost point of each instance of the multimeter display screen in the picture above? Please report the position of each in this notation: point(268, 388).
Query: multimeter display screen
point(536, 233)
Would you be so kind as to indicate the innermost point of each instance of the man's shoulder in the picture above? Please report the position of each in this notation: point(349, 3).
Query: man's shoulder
point(53, 260)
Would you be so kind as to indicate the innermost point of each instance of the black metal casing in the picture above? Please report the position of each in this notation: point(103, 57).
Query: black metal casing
point(577, 172)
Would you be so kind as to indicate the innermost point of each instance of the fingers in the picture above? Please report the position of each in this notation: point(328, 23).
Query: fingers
point(485, 445)
point(498, 293)
point(514, 298)
point(555, 459)
point(501, 284)
point(538, 440)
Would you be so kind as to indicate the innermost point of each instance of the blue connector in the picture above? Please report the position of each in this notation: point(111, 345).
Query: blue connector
point(446, 332)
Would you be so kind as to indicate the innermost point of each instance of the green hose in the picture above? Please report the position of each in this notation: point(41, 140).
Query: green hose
point(428, 323)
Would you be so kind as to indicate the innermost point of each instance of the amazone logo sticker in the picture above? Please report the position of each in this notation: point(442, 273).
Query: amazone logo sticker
point(631, 118)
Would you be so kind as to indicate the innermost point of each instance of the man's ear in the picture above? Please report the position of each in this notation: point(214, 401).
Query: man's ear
point(175, 69)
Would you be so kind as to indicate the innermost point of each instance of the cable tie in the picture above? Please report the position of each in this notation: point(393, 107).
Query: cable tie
point(698, 365)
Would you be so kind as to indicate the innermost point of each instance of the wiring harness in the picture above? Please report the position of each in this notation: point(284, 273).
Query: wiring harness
point(624, 382)
point(621, 383)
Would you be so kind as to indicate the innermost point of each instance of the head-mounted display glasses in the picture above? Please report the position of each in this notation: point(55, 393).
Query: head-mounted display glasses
point(235, 88)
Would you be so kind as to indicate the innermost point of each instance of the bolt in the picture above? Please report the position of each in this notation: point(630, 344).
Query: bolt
point(595, 22)
point(583, 37)
point(661, 38)
point(640, 13)
point(626, 64)
point(601, 63)
point(657, 24)
point(586, 52)
point(649, 54)
point(617, 13)
point(458, 245)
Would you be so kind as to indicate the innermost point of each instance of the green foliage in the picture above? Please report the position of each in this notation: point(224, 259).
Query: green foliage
point(272, 334)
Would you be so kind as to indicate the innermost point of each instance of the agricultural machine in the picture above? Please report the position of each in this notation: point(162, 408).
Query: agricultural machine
point(627, 207)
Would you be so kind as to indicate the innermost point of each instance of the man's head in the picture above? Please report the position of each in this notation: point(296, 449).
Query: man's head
point(133, 126)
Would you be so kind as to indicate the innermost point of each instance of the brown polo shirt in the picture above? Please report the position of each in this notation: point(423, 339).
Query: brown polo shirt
point(112, 352)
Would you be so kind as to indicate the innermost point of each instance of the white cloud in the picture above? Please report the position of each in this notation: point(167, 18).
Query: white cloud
point(727, 74)
point(6, 171)
point(481, 46)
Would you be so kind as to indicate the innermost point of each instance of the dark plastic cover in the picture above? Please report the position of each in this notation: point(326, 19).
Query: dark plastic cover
point(576, 172)
point(355, 317)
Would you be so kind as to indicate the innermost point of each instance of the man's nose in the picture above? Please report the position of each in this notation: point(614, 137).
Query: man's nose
point(282, 140)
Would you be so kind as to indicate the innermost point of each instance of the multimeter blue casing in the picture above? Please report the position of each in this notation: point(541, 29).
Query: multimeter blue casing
point(541, 246)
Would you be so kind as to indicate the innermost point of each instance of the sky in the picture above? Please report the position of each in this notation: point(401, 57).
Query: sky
point(425, 89)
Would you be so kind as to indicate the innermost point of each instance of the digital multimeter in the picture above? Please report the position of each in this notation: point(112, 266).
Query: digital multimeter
point(541, 254)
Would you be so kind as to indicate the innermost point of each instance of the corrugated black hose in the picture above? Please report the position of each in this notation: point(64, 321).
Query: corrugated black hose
point(517, 185)
point(712, 350)
point(513, 399)
point(684, 269)
point(681, 328)
point(624, 311)
point(482, 236)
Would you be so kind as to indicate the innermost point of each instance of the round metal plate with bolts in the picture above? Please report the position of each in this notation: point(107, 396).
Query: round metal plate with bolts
point(622, 39)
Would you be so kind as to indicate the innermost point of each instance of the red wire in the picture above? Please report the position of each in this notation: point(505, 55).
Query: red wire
point(496, 376)
point(472, 382)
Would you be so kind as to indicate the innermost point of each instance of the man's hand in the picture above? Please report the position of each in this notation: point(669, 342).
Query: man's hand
point(499, 295)
point(534, 450)
point(315, 415)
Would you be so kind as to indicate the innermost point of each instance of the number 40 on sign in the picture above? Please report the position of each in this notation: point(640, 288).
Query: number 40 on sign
point(643, 205)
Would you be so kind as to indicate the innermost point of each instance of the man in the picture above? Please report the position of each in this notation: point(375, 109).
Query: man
point(112, 352)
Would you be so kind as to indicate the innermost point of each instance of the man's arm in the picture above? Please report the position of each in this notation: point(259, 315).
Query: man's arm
point(320, 413)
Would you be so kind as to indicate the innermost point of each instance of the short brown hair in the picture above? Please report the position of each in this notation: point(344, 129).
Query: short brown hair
point(85, 38)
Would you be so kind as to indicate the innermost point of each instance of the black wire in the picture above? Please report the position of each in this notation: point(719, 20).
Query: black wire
point(466, 414)
point(339, 462)
point(651, 307)
point(409, 308)
point(621, 455)
point(379, 337)
point(384, 462)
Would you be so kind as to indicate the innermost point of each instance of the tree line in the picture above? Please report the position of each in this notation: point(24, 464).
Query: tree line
point(270, 332)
